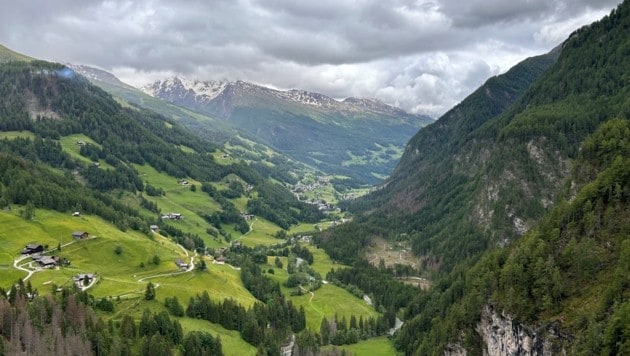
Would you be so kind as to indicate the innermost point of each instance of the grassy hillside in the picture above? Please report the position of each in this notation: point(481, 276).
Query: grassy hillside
point(87, 134)
point(122, 277)
point(235, 144)
point(72, 148)
point(7, 55)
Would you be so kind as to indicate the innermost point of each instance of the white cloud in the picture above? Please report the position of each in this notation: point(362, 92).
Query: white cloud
point(422, 55)
point(556, 32)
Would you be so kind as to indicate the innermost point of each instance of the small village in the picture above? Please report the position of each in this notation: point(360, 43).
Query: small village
point(43, 258)
point(300, 190)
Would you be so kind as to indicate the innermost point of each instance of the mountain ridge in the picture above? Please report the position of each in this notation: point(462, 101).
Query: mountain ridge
point(432, 197)
point(556, 160)
point(8, 55)
point(360, 139)
point(205, 91)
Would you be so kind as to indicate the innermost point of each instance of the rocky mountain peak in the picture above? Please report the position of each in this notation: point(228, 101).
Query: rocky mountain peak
point(181, 88)
point(372, 104)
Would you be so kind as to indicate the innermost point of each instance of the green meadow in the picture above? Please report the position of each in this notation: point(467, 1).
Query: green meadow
point(375, 346)
point(10, 135)
point(93, 255)
point(220, 281)
point(324, 302)
point(123, 277)
point(181, 199)
point(330, 300)
point(231, 340)
point(70, 146)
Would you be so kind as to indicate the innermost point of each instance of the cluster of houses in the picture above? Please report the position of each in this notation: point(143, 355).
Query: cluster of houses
point(172, 216)
point(305, 238)
point(339, 222)
point(301, 188)
point(247, 216)
point(181, 264)
point(320, 204)
point(219, 257)
point(35, 251)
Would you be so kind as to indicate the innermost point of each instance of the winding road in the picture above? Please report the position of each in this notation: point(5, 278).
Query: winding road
point(32, 270)
point(310, 301)
point(251, 228)
point(21, 268)
point(191, 266)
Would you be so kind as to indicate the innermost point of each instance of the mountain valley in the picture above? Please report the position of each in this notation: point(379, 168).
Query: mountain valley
point(357, 138)
point(228, 218)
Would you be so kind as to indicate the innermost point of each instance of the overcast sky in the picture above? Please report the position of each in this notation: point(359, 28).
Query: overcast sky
point(423, 56)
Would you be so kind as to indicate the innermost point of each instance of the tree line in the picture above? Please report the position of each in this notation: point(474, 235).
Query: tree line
point(64, 323)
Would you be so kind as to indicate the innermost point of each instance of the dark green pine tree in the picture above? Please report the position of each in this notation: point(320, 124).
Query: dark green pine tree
point(149, 294)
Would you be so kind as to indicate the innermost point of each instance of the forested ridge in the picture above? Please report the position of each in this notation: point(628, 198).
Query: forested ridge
point(428, 196)
point(548, 161)
point(568, 275)
point(491, 167)
point(52, 101)
point(65, 323)
point(571, 271)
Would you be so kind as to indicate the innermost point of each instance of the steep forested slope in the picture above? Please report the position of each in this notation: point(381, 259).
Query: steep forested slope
point(563, 287)
point(52, 102)
point(427, 196)
point(479, 177)
point(568, 278)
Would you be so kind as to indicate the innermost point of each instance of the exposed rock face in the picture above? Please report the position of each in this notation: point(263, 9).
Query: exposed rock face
point(455, 350)
point(502, 336)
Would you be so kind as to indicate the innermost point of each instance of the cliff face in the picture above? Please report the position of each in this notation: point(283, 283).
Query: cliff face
point(455, 350)
point(502, 336)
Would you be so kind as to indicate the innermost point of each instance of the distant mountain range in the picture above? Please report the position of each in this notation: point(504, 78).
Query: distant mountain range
point(217, 95)
point(357, 138)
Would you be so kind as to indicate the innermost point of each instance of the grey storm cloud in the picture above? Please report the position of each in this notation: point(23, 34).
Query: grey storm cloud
point(423, 56)
point(478, 13)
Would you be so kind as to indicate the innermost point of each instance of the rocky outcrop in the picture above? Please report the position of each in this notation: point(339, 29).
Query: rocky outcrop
point(501, 335)
point(455, 349)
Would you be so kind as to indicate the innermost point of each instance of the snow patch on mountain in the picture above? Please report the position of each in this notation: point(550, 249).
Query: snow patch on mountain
point(182, 87)
point(179, 89)
point(309, 98)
